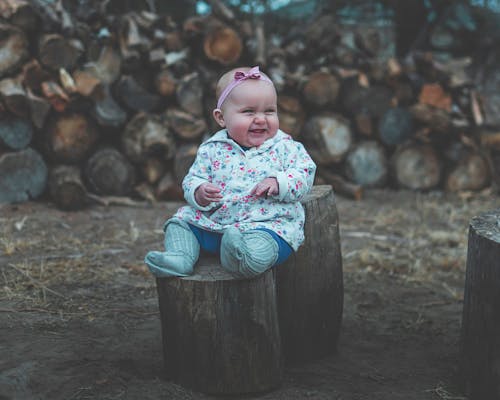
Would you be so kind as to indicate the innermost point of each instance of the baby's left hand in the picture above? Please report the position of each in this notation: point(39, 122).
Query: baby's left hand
point(266, 187)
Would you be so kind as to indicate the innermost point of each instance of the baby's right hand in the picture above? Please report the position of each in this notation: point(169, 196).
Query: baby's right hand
point(207, 193)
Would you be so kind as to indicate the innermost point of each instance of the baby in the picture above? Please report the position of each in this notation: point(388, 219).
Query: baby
point(243, 189)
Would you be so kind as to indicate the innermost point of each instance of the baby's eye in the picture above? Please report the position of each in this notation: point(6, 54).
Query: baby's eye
point(270, 111)
point(248, 111)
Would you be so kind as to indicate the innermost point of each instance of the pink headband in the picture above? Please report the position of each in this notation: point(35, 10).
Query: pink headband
point(240, 77)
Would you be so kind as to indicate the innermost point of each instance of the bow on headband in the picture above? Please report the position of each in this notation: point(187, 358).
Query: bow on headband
point(239, 78)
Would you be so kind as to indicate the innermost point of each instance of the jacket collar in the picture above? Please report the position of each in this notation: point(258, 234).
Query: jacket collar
point(223, 136)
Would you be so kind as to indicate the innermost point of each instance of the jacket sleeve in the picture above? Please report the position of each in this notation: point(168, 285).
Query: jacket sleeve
point(296, 180)
point(199, 173)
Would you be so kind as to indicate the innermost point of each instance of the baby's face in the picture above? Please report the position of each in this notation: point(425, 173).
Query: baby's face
point(250, 113)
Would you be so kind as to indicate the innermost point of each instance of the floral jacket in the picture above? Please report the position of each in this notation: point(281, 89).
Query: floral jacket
point(221, 161)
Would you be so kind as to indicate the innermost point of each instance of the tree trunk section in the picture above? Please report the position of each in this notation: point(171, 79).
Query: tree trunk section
point(328, 138)
point(366, 164)
point(480, 338)
point(23, 176)
point(470, 173)
point(396, 126)
point(416, 166)
point(13, 48)
point(310, 284)
point(146, 135)
point(70, 137)
point(321, 89)
point(220, 334)
point(66, 187)
point(15, 132)
point(108, 172)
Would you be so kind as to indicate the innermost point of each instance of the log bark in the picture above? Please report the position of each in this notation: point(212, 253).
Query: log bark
point(15, 132)
point(358, 98)
point(69, 138)
point(20, 13)
point(220, 334)
point(23, 176)
point(147, 135)
point(339, 184)
point(39, 109)
point(108, 172)
point(169, 189)
point(153, 169)
point(366, 164)
point(165, 83)
point(416, 166)
point(480, 341)
point(183, 159)
point(55, 95)
point(14, 48)
point(135, 97)
point(435, 118)
point(328, 138)
point(310, 284)
point(66, 187)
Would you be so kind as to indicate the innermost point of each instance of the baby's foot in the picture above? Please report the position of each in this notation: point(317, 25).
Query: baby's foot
point(165, 264)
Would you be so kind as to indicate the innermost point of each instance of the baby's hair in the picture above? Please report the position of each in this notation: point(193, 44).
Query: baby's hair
point(227, 77)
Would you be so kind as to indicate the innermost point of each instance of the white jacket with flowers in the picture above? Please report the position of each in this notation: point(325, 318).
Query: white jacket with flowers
point(221, 161)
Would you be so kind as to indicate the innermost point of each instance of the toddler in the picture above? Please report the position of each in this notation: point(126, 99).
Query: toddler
point(243, 189)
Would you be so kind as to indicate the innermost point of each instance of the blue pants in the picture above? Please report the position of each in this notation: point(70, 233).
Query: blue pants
point(210, 241)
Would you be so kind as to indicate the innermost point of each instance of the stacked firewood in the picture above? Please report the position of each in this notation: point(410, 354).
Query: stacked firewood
point(97, 105)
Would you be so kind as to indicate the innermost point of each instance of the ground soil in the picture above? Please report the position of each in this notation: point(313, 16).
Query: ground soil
point(79, 314)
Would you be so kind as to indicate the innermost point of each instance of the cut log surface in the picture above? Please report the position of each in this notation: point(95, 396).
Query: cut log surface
point(66, 187)
point(292, 115)
point(189, 94)
point(55, 52)
point(471, 173)
point(185, 125)
point(366, 164)
point(107, 112)
point(328, 137)
point(23, 176)
point(480, 339)
point(184, 158)
point(396, 126)
point(108, 172)
point(70, 137)
point(310, 283)
point(223, 44)
point(15, 132)
point(13, 48)
point(321, 89)
point(14, 97)
point(146, 135)
point(220, 334)
point(417, 166)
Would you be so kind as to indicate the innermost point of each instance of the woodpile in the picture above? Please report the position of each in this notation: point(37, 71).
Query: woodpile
point(111, 101)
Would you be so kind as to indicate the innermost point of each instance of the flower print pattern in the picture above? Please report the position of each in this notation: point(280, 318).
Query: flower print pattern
point(222, 161)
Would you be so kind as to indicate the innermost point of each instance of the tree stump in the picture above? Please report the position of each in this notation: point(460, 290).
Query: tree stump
point(226, 335)
point(220, 334)
point(310, 284)
point(480, 340)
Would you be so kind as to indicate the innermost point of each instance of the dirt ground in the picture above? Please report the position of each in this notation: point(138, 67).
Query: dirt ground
point(79, 315)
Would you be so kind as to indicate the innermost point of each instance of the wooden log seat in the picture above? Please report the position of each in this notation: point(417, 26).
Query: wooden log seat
point(224, 335)
point(310, 283)
point(480, 338)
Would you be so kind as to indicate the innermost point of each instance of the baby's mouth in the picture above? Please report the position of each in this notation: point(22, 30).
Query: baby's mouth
point(258, 131)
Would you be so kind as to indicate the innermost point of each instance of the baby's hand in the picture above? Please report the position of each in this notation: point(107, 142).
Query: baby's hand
point(266, 187)
point(206, 193)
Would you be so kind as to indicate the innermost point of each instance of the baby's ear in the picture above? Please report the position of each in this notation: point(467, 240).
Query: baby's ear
point(219, 117)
